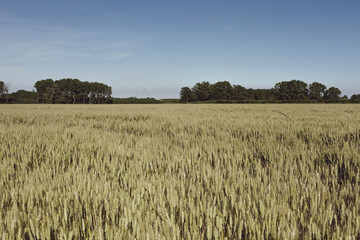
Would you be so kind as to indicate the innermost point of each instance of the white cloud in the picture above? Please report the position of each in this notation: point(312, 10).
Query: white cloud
point(9, 18)
point(117, 56)
point(25, 41)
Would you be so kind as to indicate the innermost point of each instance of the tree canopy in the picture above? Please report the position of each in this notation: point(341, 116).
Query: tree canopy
point(316, 90)
point(355, 98)
point(69, 90)
point(292, 90)
point(332, 93)
point(23, 96)
point(73, 91)
point(286, 91)
point(4, 90)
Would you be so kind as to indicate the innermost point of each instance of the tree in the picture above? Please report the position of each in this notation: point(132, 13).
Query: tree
point(355, 98)
point(316, 90)
point(239, 93)
point(44, 89)
point(2, 85)
point(23, 96)
point(221, 91)
point(85, 91)
point(68, 90)
point(89, 90)
point(292, 90)
point(64, 90)
point(108, 93)
point(186, 95)
point(264, 94)
point(332, 93)
point(202, 91)
point(75, 89)
point(4, 90)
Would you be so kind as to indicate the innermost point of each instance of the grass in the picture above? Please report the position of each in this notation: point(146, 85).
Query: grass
point(180, 171)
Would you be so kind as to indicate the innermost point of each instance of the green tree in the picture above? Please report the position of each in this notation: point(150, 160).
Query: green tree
point(4, 91)
point(99, 93)
point(291, 90)
point(261, 94)
point(316, 90)
point(71, 90)
point(239, 93)
point(85, 91)
point(264, 94)
point(221, 91)
point(44, 89)
point(186, 95)
point(63, 91)
point(68, 90)
point(202, 91)
point(23, 96)
point(108, 92)
point(75, 87)
point(355, 98)
point(90, 90)
point(332, 93)
point(2, 88)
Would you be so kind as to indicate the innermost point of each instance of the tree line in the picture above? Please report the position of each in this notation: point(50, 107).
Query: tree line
point(286, 91)
point(65, 90)
point(4, 92)
point(73, 91)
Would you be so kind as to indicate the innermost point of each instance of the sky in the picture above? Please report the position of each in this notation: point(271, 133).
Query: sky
point(153, 48)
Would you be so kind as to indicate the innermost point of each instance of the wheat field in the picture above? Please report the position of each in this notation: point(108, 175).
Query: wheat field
point(180, 171)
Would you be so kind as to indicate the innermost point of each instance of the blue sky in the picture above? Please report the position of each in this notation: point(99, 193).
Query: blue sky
point(153, 48)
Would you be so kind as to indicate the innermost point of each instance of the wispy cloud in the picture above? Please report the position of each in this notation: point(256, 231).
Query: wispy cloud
point(38, 55)
point(47, 55)
point(31, 41)
point(117, 56)
point(9, 18)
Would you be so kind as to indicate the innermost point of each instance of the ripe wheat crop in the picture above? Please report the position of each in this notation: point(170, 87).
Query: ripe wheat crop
point(180, 172)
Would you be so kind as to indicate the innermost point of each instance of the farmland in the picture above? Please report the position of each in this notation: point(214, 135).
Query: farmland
point(180, 171)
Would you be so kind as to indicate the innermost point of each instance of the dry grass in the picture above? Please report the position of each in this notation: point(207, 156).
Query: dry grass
point(180, 172)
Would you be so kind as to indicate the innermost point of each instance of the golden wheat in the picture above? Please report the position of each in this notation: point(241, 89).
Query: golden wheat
point(180, 172)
